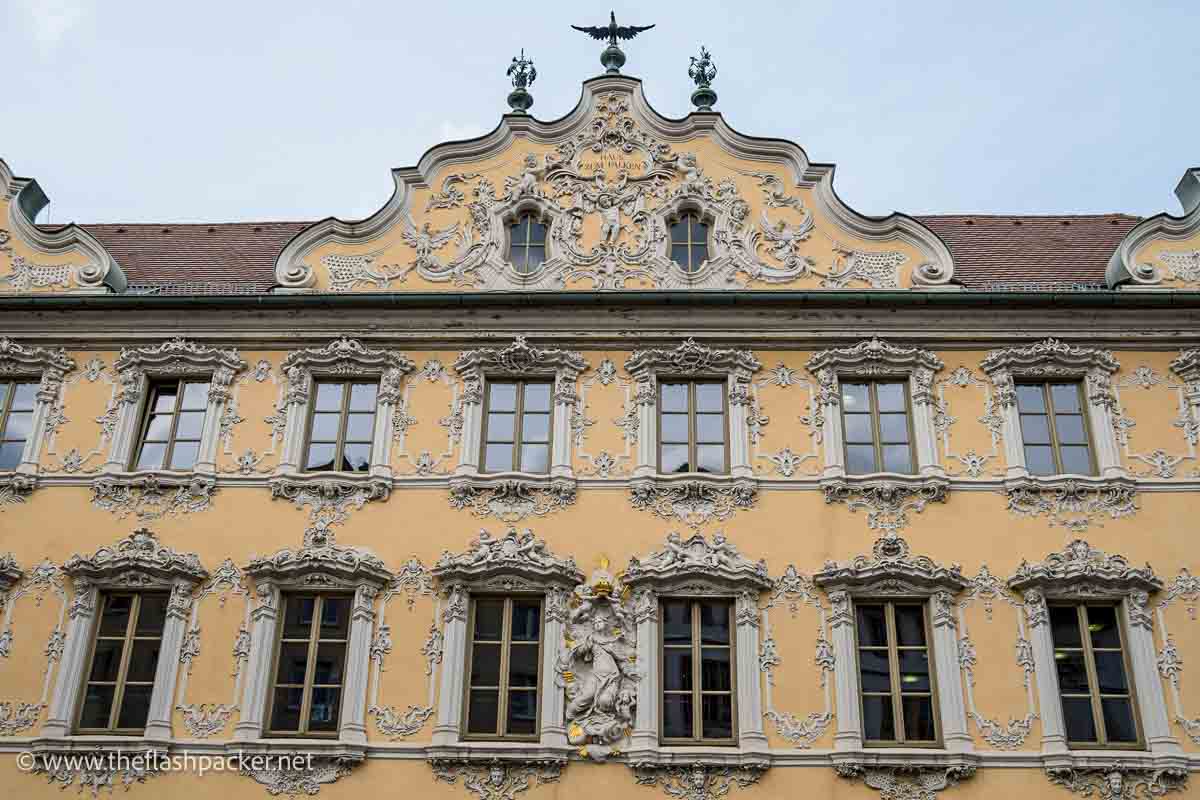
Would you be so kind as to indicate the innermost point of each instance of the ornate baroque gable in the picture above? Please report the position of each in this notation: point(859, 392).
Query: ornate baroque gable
point(682, 563)
point(1079, 569)
point(319, 562)
point(891, 569)
point(517, 558)
point(137, 560)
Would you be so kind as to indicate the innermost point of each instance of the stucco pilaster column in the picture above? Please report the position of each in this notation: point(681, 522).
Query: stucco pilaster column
point(739, 433)
point(166, 673)
point(645, 400)
point(1005, 398)
point(44, 400)
point(60, 717)
point(219, 395)
point(387, 403)
point(828, 399)
point(128, 399)
point(924, 434)
point(353, 728)
point(1100, 404)
point(554, 729)
point(1054, 736)
point(263, 621)
point(471, 406)
point(565, 399)
point(454, 661)
point(750, 713)
point(849, 713)
point(645, 724)
point(949, 686)
point(1152, 703)
point(295, 402)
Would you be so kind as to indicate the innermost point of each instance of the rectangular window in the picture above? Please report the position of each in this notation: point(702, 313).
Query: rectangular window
point(342, 427)
point(691, 427)
point(124, 659)
point(697, 672)
point(876, 420)
point(895, 676)
point(174, 425)
point(311, 665)
point(1093, 676)
point(516, 435)
point(504, 660)
point(1053, 429)
point(16, 421)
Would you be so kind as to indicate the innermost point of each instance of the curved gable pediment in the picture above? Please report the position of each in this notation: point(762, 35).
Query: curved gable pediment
point(608, 180)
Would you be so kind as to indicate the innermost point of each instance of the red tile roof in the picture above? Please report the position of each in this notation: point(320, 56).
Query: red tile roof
point(990, 251)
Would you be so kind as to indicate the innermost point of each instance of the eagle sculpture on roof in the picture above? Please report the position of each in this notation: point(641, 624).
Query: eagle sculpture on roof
point(612, 31)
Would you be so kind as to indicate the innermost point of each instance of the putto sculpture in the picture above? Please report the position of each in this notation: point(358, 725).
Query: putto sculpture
point(612, 58)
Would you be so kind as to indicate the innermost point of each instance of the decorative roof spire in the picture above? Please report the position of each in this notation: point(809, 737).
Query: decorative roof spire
point(702, 70)
point(612, 58)
point(523, 75)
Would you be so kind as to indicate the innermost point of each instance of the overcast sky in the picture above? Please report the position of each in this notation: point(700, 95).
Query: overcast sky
point(261, 110)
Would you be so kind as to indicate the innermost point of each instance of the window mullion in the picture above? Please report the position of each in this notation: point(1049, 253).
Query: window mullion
point(502, 683)
point(518, 417)
point(876, 426)
point(135, 608)
point(894, 670)
point(1055, 445)
point(1089, 660)
point(310, 665)
point(697, 694)
point(172, 431)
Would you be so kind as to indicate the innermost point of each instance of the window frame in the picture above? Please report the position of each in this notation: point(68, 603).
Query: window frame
point(502, 706)
point(1094, 694)
point(535, 218)
point(876, 432)
point(697, 693)
point(6, 411)
point(518, 422)
point(121, 682)
point(147, 413)
point(889, 603)
point(343, 422)
point(1050, 413)
point(314, 642)
point(723, 386)
point(692, 217)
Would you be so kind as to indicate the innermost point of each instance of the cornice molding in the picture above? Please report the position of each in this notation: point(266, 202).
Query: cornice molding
point(137, 560)
point(1049, 357)
point(696, 563)
point(519, 554)
point(875, 356)
point(1080, 568)
point(692, 359)
point(321, 562)
point(891, 569)
point(175, 358)
point(519, 358)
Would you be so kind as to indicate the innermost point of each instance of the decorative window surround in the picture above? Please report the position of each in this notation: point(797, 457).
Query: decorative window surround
point(891, 571)
point(137, 562)
point(341, 358)
point(50, 367)
point(693, 568)
point(1052, 359)
point(1080, 572)
point(320, 565)
point(518, 563)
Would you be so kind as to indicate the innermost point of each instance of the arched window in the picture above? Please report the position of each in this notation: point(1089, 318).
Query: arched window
point(527, 244)
point(689, 242)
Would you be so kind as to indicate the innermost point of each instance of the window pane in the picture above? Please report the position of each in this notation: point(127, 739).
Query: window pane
point(483, 711)
point(1035, 429)
point(708, 397)
point(523, 665)
point(320, 456)
point(1102, 626)
point(535, 427)
point(674, 458)
point(502, 397)
point(106, 662)
point(285, 713)
point(537, 397)
point(1110, 672)
point(855, 397)
point(356, 457)
point(158, 429)
point(893, 428)
point(4, 387)
point(910, 626)
point(710, 428)
point(23, 397)
point(535, 256)
point(20, 423)
point(537, 232)
point(675, 397)
point(1076, 460)
point(298, 617)
point(135, 707)
point(329, 397)
point(164, 399)
point(152, 615)
point(674, 427)
point(679, 231)
point(526, 621)
point(872, 629)
point(914, 671)
point(489, 613)
point(1064, 626)
point(10, 455)
point(152, 456)
point(335, 618)
point(535, 458)
point(185, 455)
point(522, 712)
point(323, 713)
point(677, 669)
point(714, 623)
point(485, 665)
point(710, 458)
point(890, 396)
point(714, 670)
point(114, 621)
point(858, 428)
point(860, 459)
point(878, 722)
point(360, 427)
point(195, 396)
point(516, 254)
point(1030, 398)
point(97, 706)
point(1077, 711)
point(918, 719)
point(501, 427)
point(1039, 460)
point(677, 622)
point(520, 230)
point(699, 255)
point(1070, 429)
point(143, 661)
point(677, 716)
point(362, 396)
point(498, 457)
point(873, 667)
point(325, 427)
point(897, 458)
point(293, 662)
point(717, 721)
point(1118, 720)
point(331, 658)
point(679, 254)
point(1072, 672)
point(1065, 396)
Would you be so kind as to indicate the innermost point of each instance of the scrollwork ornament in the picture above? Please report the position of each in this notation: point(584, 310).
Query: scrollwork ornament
point(697, 781)
point(1119, 783)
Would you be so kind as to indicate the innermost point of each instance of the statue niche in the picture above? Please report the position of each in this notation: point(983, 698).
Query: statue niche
point(598, 666)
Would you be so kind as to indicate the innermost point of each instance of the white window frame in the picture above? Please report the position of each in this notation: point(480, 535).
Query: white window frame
point(891, 572)
point(1080, 573)
point(48, 368)
point(137, 563)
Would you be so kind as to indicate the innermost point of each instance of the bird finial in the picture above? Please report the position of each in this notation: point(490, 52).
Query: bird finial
point(612, 58)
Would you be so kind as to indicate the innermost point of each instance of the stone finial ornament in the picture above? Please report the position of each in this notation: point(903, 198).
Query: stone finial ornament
point(703, 71)
point(523, 74)
point(612, 58)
